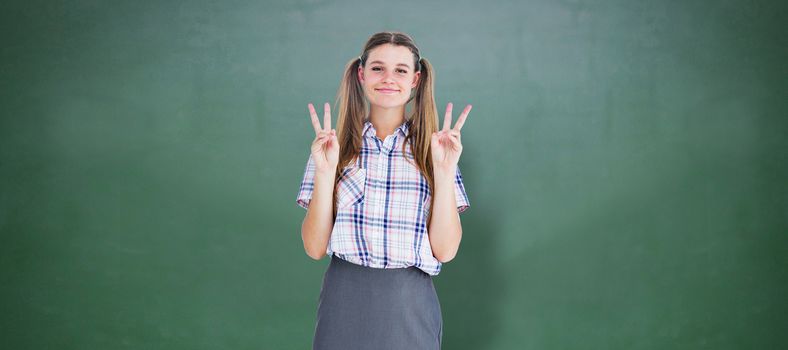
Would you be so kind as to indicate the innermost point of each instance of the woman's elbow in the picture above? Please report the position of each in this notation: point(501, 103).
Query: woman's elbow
point(316, 256)
point(445, 257)
point(312, 249)
point(314, 253)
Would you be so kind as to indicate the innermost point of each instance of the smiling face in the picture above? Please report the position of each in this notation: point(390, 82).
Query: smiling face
point(388, 76)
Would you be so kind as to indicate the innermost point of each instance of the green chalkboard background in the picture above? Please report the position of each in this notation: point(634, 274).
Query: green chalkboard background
point(626, 164)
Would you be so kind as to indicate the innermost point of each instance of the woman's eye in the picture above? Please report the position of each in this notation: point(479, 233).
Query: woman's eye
point(399, 70)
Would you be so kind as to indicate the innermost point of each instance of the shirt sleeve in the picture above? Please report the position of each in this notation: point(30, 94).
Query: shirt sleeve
point(307, 184)
point(459, 192)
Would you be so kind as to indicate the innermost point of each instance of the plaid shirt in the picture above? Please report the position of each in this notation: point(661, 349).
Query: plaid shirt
point(382, 206)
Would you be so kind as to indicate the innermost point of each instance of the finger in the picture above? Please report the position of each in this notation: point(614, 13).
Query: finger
point(462, 117)
point(315, 121)
point(323, 133)
point(320, 141)
point(447, 117)
point(327, 117)
point(455, 142)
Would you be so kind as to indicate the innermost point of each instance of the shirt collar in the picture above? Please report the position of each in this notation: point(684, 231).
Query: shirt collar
point(369, 129)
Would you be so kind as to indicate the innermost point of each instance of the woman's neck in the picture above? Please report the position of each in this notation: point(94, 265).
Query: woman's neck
point(386, 120)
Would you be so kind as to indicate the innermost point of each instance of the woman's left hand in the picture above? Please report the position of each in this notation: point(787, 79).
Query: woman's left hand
point(445, 144)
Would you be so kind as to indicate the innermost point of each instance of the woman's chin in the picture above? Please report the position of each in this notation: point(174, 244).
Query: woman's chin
point(388, 102)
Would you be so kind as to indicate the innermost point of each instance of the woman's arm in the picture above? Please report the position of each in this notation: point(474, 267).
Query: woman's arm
point(445, 230)
point(318, 223)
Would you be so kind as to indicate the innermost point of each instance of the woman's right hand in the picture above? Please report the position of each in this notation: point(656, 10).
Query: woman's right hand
point(325, 147)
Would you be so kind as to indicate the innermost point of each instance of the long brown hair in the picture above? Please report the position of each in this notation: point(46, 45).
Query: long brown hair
point(422, 122)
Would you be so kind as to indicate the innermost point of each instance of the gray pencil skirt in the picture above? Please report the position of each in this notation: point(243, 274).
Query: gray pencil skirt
point(365, 308)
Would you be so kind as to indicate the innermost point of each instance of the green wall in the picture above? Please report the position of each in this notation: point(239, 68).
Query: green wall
point(625, 162)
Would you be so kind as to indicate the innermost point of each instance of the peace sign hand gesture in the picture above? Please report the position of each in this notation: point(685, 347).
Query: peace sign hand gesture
point(325, 147)
point(445, 144)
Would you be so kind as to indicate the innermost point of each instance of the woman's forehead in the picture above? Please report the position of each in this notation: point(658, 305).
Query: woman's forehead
point(391, 55)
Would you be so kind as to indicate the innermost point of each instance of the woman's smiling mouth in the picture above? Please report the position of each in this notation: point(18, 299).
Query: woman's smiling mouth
point(387, 91)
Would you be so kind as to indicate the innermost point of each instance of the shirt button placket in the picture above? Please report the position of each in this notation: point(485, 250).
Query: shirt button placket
point(376, 165)
point(387, 147)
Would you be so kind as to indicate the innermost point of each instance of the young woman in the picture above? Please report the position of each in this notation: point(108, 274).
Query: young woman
point(383, 197)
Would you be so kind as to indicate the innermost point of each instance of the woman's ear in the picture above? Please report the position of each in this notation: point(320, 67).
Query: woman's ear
point(416, 79)
point(360, 74)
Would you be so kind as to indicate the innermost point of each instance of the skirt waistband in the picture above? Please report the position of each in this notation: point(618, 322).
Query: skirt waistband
point(338, 262)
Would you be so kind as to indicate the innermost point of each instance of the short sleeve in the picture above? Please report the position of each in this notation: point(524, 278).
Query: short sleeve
point(459, 192)
point(307, 184)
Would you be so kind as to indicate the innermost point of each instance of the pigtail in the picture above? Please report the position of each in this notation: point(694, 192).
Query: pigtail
point(424, 121)
point(351, 104)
